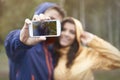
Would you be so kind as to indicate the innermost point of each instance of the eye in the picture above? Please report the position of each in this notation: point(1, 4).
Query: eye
point(72, 31)
point(63, 29)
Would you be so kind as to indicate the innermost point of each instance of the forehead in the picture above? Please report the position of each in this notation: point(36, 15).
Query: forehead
point(69, 26)
point(53, 13)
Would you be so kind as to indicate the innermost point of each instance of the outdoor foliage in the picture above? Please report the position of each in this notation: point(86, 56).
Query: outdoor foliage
point(101, 17)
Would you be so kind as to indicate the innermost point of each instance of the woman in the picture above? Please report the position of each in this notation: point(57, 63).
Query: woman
point(73, 61)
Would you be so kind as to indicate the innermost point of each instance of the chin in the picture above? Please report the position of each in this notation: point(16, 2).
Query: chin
point(63, 45)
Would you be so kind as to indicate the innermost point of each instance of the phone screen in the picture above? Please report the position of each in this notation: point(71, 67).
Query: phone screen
point(44, 28)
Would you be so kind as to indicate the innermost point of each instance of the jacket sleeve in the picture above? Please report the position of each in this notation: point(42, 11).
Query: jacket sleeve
point(15, 49)
point(108, 57)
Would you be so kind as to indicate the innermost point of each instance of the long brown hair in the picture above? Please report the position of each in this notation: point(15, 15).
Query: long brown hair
point(72, 51)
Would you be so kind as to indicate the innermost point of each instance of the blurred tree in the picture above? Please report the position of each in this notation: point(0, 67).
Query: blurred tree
point(116, 23)
point(14, 14)
point(1, 7)
point(100, 17)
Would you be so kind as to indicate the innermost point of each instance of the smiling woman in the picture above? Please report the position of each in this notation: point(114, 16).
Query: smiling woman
point(75, 61)
point(68, 34)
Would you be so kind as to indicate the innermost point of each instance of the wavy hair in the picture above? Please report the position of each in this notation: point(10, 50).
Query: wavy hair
point(72, 51)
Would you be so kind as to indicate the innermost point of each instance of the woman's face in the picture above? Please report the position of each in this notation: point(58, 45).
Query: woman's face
point(67, 35)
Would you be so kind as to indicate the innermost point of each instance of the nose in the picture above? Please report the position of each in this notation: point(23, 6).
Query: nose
point(66, 33)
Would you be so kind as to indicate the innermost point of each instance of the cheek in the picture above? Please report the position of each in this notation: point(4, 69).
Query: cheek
point(62, 41)
point(66, 41)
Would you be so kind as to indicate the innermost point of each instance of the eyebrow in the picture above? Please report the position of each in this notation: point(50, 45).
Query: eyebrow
point(51, 17)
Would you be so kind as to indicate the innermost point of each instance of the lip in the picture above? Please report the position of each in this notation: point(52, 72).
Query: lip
point(64, 39)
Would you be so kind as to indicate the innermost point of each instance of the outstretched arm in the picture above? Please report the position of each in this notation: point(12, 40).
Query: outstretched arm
point(18, 41)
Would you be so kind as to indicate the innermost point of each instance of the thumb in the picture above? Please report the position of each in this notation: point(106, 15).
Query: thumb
point(42, 38)
point(27, 22)
point(24, 31)
point(36, 40)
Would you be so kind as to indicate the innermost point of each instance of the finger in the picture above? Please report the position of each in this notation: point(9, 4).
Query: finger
point(24, 30)
point(39, 39)
point(24, 33)
point(27, 22)
point(36, 18)
point(42, 17)
point(42, 38)
point(47, 18)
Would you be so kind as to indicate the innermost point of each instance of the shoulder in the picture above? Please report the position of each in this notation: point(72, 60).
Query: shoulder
point(13, 33)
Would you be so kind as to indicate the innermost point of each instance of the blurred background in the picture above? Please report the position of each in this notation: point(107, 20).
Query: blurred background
point(101, 17)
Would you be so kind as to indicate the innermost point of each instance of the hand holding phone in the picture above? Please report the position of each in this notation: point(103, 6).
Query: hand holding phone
point(24, 35)
point(47, 28)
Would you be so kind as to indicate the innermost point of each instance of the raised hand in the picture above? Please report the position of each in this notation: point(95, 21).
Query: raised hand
point(86, 37)
point(24, 33)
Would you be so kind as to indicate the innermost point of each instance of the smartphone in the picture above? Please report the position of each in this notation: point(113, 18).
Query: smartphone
point(48, 28)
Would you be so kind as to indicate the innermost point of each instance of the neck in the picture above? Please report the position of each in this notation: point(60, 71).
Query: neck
point(63, 59)
point(64, 52)
point(63, 56)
